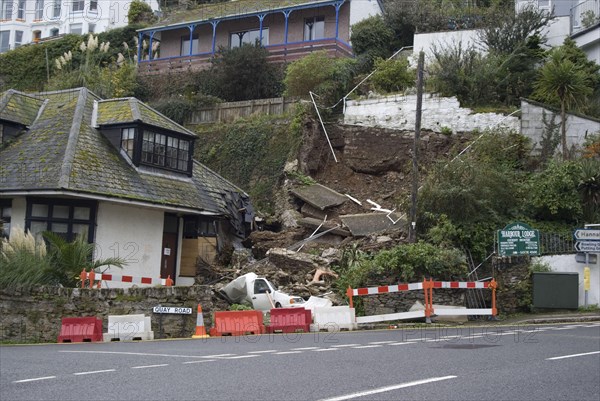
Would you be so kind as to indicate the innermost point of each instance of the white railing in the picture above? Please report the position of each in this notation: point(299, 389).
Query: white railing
point(584, 15)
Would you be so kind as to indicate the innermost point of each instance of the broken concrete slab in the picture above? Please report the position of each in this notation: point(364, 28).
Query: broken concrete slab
point(297, 260)
point(319, 196)
point(361, 225)
point(314, 223)
point(309, 210)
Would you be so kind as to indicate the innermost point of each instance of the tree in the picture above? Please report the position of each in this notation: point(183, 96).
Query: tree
point(510, 30)
point(393, 75)
point(140, 12)
point(560, 80)
point(372, 38)
point(244, 73)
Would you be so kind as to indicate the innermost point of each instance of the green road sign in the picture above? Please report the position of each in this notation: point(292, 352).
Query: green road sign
point(518, 239)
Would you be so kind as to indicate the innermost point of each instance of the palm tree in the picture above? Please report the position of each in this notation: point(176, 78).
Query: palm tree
point(560, 80)
point(67, 259)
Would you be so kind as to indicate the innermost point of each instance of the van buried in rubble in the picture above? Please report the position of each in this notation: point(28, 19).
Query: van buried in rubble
point(262, 295)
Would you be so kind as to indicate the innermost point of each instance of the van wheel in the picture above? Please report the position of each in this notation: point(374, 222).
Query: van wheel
point(278, 305)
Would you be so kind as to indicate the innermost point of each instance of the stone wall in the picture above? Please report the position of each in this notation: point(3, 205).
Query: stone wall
point(515, 292)
point(34, 314)
point(532, 126)
point(439, 113)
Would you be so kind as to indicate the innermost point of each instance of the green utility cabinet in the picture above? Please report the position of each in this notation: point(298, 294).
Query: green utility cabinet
point(555, 290)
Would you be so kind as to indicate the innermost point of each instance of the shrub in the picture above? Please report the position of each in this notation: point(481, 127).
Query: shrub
point(393, 75)
point(372, 38)
point(140, 12)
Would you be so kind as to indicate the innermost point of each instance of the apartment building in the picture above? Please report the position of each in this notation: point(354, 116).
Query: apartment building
point(27, 21)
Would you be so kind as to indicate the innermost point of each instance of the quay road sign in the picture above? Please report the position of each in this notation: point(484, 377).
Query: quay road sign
point(518, 239)
point(587, 246)
point(587, 234)
point(172, 310)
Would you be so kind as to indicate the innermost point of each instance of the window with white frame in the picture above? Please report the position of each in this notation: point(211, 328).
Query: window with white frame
point(4, 41)
point(128, 141)
point(78, 6)
point(39, 10)
point(18, 38)
point(6, 9)
point(91, 28)
point(5, 215)
point(251, 37)
point(314, 28)
point(54, 32)
point(76, 29)
point(94, 5)
point(21, 10)
point(56, 9)
point(185, 45)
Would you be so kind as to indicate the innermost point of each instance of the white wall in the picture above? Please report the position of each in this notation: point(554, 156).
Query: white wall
point(19, 208)
point(361, 9)
point(567, 264)
point(556, 31)
point(441, 40)
point(133, 233)
point(398, 112)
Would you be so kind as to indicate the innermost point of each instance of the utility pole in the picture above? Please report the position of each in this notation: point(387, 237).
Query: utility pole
point(412, 236)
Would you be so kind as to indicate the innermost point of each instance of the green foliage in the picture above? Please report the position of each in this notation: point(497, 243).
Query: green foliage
point(234, 307)
point(553, 192)
point(330, 78)
point(393, 75)
point(140, 13)
point(23, 260)
point(243, 73)
point(408, 262)
point(372, 38)
point(251, 153)
point(589, 189)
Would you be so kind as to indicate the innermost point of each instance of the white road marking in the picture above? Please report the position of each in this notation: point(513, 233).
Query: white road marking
point(148, 354)
point(367, 346)
point(400, 343)
point(240, 357)
point(345, 345)
point(287, 352)
point(381, 342)
point(150, 366)
point(388, 388)
point(263, 352)
point(325, 349)
point(203, 361)
point(304, 349)
point(94, 372)
point(217, 356)
point(35, 379)
point(572, 356)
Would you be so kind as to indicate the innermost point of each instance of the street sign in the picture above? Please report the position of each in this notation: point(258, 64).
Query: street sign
point(172, 310)
point(587, 246)
point(518, 239)
point(586, 234)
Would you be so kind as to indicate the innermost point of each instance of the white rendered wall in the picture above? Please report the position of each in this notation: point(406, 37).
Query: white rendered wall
point(442, 40)
point(398, 112)
point(567, 264)
point(133, 233)
point(362, 9)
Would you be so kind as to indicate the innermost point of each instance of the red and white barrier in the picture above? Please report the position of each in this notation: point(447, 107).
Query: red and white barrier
point(93, 276)
point(427, 287)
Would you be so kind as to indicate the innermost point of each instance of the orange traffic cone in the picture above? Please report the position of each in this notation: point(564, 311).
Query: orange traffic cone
point(200, 330)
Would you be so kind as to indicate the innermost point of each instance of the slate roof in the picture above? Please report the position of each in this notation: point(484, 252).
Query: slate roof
point(62, 151)
point(19, 108)
point(129, 110)
point(211, 11)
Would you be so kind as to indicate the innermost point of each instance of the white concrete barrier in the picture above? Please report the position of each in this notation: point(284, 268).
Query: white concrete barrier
point(334, 318)
point(128, 327)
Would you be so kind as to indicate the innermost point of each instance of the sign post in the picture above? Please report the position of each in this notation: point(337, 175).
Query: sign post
point(518, 239)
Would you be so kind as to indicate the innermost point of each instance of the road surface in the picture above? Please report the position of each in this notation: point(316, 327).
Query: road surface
point(560, 361)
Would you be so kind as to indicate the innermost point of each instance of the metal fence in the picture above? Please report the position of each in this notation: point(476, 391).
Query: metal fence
point(555, 244)
point(231, 111)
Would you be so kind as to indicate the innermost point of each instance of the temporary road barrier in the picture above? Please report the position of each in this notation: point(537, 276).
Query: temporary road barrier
point(93, 276)
point(129, 327)
point(427, 287)
point(238, 323)
point(290, 320)
point(200, 330)
point(334, 318)
point(80, 329)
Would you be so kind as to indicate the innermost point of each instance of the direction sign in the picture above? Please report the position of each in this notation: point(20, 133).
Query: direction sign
point(587, 246)
point(172, 310)
point(587, 234)
point(518, 239)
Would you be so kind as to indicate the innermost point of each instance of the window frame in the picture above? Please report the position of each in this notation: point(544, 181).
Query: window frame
point(185, 45)
point(56, 7)
point(4, 34)
point(309, 28)
point(18, 38)
point(4, 205)
point(21, 10)
point(94, 6)
point(242, 41)
point(77, 6)
point(39, 10)
point(6, 10)
point(49, 219)
point(78, 31)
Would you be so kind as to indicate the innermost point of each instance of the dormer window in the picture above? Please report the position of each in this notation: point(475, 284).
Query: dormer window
point(163, 150)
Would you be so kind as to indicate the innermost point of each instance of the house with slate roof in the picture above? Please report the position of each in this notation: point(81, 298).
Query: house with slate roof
point(119, 173)
point(288, 29)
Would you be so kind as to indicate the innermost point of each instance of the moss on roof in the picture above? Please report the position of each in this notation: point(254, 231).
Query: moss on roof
point(63, 151)
point(211, 11)
point(130, 110)
point(19, 108)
